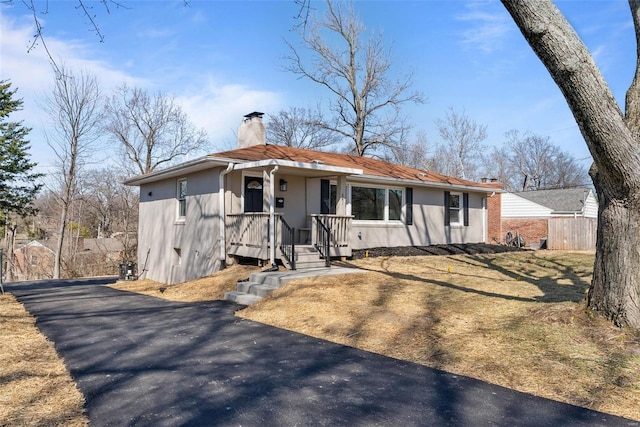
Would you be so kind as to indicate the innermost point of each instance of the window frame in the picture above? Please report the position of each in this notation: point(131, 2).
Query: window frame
point(459, 209)
point(181, 198)
point(463, 209)
point(386, 211)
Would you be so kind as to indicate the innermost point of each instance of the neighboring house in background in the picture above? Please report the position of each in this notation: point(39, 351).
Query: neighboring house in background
point(275, 204)
point(34, 261)
point(561, 218)
point(93, 257)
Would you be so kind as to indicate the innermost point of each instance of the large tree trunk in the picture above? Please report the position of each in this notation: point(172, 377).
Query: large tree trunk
point(615, 287)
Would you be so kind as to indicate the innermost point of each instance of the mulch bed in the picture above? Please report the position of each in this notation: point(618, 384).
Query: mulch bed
point(451, 249)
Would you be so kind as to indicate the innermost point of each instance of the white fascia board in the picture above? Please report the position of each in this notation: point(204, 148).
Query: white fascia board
point(415, 182)
point(202, 163)
point(299, 165)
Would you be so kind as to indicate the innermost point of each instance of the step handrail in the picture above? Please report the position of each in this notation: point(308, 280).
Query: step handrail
point(288, 243)
point(323, 240)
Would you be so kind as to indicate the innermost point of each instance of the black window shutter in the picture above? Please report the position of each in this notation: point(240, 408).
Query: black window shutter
point(465, 204)
point(325, 198)
point(409, 212)
point(447, 216)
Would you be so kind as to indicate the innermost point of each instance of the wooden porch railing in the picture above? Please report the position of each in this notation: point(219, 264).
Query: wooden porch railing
point(248, 234)
point(340, 226)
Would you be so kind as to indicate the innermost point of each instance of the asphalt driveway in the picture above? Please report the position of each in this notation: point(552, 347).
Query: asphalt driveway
point(148, 362)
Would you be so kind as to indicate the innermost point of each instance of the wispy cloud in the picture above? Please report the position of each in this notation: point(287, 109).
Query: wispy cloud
point(218, 107)
point(487, 26)
point(215, 104)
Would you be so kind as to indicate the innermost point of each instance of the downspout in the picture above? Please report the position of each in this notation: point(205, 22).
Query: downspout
point(272, 224)
point(223, 227)
point(484, 220)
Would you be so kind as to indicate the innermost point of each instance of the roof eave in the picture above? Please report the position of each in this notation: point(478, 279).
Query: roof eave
point(196, 165)
point(422, 183)
point(299, 165)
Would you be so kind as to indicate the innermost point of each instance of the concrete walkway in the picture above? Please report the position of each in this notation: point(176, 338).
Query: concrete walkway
point(147, 362)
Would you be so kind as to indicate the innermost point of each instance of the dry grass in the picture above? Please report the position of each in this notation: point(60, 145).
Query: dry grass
point(205, 289)
point(35, 387)
point(517, 320)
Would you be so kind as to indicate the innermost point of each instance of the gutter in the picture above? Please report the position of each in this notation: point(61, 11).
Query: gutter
point(272, 226)
point(223, 227)
point(414, 182)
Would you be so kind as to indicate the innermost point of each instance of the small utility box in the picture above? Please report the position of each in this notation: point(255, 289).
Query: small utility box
point(128, 271)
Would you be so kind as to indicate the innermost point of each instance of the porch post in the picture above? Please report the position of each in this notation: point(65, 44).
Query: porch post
point(341, 189)
point(223, 214)
point(272, 217)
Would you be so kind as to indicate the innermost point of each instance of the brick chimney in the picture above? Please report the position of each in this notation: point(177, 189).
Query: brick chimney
point(252, 131)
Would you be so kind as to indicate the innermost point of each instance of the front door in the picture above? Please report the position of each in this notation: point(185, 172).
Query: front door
point(253, 199)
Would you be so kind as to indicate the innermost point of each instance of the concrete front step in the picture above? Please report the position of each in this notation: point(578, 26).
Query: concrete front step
point(241, 297)
point(259, 289)
point(307, 256)
point(262, 284)
point(308, 260)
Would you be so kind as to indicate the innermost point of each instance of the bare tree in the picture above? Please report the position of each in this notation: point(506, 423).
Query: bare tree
point(113, 208)
point(367, 101)
point(299, 127)
point(497, 165)
point(75, 108)
point(82, 6)
point(151, 130)
point(414, 154)
point(531, 162)
point(612, 139)
point(463, 140)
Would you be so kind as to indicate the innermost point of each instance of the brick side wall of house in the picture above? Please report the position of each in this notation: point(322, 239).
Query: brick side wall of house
point(532, 229)
point(494, 220)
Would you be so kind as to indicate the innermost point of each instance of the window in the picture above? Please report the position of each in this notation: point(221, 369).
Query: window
point(182, 198)
point(456, 210)
point(34, 259)
point(376, 204)
point(395, 205)
point(328, 197)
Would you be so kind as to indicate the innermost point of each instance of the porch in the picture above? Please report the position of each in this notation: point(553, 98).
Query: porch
point(326, 236)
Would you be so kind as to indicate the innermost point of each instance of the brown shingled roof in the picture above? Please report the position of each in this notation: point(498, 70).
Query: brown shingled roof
point(368, 165)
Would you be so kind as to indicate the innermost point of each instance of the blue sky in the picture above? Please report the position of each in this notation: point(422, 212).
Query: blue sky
point(224, 59)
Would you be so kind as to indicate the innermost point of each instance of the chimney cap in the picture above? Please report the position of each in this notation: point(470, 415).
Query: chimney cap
point(254, 114)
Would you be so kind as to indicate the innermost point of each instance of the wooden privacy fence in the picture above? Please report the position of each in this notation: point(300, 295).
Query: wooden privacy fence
point(572, 233)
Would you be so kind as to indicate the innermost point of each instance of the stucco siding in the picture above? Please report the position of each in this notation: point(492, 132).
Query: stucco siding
point(179, 250)
point(295, 209)
point(428, 224)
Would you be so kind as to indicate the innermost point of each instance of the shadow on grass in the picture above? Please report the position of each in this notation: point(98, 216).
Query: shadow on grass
point(549, 284)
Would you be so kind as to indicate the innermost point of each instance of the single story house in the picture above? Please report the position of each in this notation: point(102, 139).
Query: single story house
point(277, 203)
point(560, 218)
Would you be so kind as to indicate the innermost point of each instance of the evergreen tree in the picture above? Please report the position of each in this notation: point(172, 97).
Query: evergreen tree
point(18, 181)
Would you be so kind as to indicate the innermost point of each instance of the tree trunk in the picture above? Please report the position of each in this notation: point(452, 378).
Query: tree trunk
point(615, 287)
point(11, 229)
point(62, 228)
